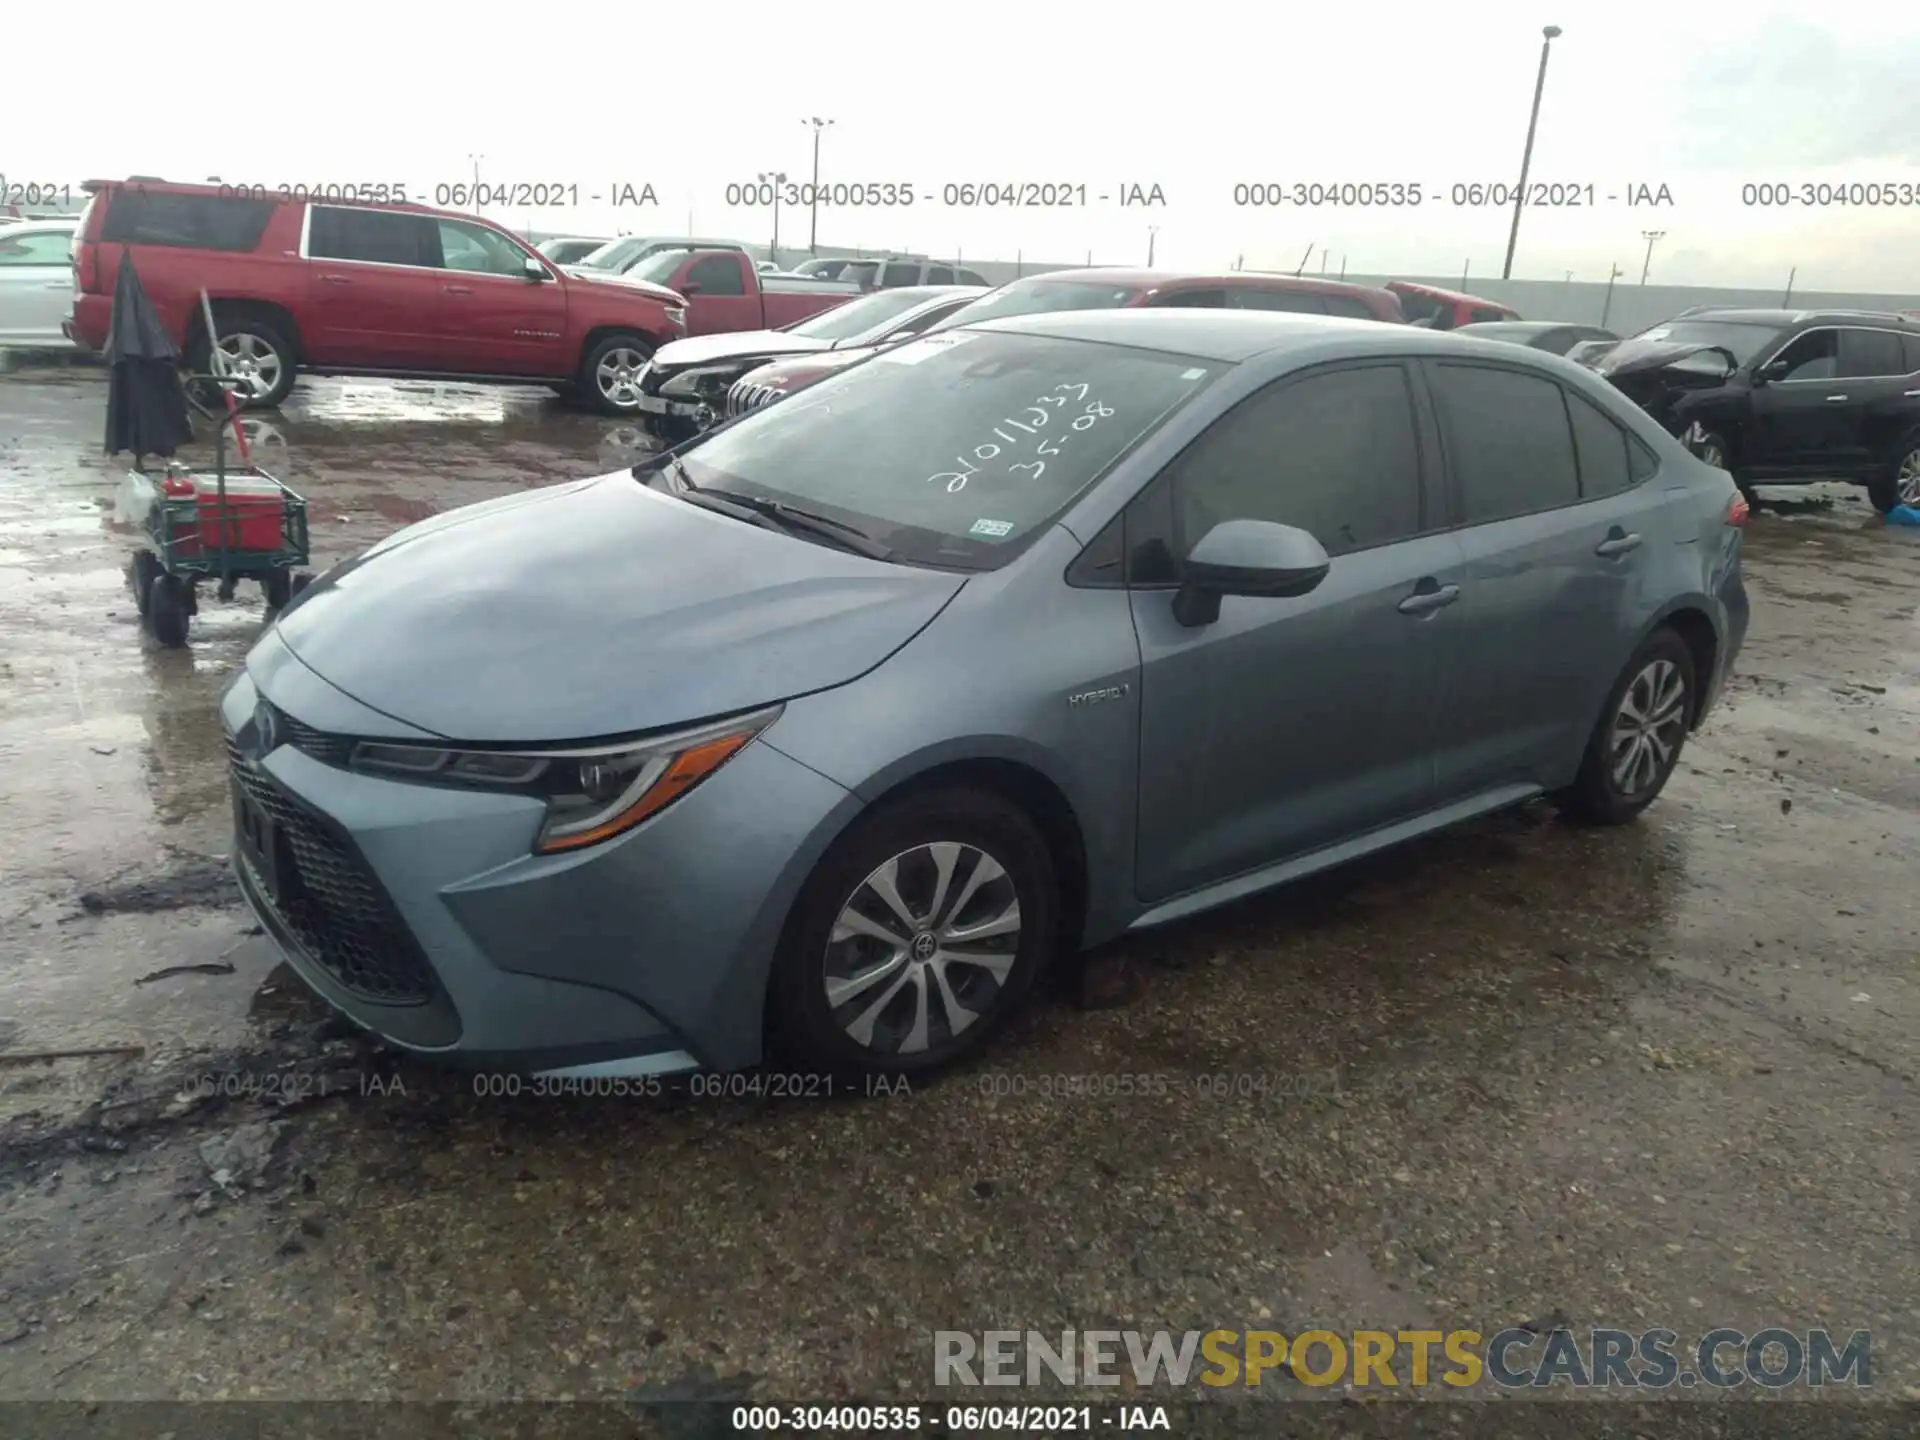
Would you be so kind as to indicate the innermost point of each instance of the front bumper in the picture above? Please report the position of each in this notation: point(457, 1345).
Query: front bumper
point(421, 914)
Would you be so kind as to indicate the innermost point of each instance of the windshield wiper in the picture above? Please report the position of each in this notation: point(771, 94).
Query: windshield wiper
point(792, 517)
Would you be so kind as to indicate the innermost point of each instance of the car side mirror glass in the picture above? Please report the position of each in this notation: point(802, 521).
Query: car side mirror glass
point(1255, 558)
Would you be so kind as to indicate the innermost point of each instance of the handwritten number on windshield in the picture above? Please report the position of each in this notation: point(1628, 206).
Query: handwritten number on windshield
point(956, 480)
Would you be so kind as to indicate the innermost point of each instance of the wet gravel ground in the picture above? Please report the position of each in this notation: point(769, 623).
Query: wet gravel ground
point(1524, 1073)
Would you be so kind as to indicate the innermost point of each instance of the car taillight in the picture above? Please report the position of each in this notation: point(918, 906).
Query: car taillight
point(1737, 510)
point(86, 268)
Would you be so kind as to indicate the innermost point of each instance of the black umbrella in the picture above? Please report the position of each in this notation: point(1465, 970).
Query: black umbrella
point(146, 403)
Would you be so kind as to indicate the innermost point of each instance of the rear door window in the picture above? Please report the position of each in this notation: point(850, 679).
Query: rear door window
point(1481, 314)
point(940, 275)
point(1293, 302)
point(1868, 354)
point(1191, 299)
point(1509, 441)
point(717, 275)
point(378, 237)
point(1910, 346)
point(895, 276)
point(1604, 450)
point(139, 216)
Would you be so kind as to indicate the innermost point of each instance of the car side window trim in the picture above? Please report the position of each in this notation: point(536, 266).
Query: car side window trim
point(1839, 332)
point(1456, 497)
point(1151, 514)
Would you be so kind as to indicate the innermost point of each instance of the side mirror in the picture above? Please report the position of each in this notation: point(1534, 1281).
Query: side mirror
point(1775, 369)
point(1247, 557)
point(692, 287)
point(534, 270)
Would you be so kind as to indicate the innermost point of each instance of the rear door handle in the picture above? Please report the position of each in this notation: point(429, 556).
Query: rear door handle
point(459, 289)
point(335, 280)
point(1423, 602)
point(1617, 545)
point(1913, 394)
point(1832, 398)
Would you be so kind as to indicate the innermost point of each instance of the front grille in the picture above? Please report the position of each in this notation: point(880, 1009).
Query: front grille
point(742, 397)
point(328, 749)
point(331, 901)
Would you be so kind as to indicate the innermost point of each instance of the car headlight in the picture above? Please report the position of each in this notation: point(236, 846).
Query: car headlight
point(702, 383)
point(676, 316)
point(593, 793)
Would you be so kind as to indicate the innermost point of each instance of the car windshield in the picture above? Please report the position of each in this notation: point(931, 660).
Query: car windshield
point(613, 255)
point(1034, 297)
point(856, 317)
point(1744, 339)
point(1006, 430)
point(659, 267)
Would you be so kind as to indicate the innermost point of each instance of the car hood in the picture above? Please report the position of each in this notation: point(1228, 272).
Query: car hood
point(1636, 357)
point(596, 609)
point(608, 280)
point(812, 367)
point(707, 349)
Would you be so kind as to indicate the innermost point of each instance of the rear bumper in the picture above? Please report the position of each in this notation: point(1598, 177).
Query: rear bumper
point(88, 323)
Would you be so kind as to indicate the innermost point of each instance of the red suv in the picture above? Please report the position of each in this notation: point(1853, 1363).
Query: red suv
point(360, 288)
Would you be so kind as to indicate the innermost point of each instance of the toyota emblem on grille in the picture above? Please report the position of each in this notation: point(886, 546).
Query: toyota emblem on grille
point(265, 729)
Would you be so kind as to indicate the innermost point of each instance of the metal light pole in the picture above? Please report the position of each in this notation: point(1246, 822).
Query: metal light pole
point(1153, 233)
point(476, 159)
point(1551, 32)
point(1607, 308)
point(778, 178)
point(813, 228)
point(1649, 236)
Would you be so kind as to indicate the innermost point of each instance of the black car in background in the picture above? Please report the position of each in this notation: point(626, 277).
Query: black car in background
point(1549, 335)
point(1785, 397)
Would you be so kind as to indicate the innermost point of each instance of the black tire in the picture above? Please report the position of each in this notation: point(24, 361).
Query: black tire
point(301, 579)
point(807, 1031)
point(1600, 795)
point(141, 575)
point(618, 394)
point(251, 334)
point(277, 585)
point(169, 607)
point(1899, 482)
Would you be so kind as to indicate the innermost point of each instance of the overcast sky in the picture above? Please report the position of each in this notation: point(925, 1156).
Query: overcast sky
point(1193, 98)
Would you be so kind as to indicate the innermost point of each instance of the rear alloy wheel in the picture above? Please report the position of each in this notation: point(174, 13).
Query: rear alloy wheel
point(1637, 743)
point(917, 936)
point(257, 356)
point(1900, 484)
point(610, 375)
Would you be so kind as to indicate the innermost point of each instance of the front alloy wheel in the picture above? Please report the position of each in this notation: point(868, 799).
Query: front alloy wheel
point(1906, 479)
point(617, 377)
point(922, 948)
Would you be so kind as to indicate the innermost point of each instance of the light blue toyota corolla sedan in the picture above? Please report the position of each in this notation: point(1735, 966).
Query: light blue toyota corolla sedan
point(832, 729)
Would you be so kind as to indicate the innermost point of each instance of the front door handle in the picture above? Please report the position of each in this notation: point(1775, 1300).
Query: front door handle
point(1425, 602)
point(335, 280)
point(459, 289)
point(1912, 394)
point(1832, 399)
point(1617, 545)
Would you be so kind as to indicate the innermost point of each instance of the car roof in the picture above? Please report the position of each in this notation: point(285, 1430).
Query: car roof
point(1797, 317)
point(1231, 336)
point(934, 292)
point(1190, 279)
point(1414, 287)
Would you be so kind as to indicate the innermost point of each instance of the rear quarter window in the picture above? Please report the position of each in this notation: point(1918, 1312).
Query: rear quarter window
point(138, 216)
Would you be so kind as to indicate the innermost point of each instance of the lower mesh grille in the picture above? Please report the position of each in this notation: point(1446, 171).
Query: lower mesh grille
point(330, 900)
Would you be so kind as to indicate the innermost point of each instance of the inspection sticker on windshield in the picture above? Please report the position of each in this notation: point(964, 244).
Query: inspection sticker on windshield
point(914, 351)
point(992, 527)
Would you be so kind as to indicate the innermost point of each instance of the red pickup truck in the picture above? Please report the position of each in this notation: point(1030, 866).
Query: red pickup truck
point(358, 287)
point(726, 292)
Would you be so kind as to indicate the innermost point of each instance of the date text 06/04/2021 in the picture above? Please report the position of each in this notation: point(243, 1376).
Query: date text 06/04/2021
point(952, 194)
point(952, 1419)
point(456, 194)
point(1464, 194)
